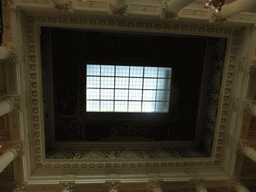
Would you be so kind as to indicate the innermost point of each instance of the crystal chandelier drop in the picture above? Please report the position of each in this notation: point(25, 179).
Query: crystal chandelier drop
point(215, 4)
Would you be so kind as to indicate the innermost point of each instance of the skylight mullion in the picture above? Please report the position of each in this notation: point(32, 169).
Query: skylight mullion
point(142, 88)
point(114, 89)
point(100, 91)
point(128, 88)
point(156, 88)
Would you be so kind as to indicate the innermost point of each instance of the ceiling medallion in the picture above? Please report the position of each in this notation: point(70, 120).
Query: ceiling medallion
point(215, 4)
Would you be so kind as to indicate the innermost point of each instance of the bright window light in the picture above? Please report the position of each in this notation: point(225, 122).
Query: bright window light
point(115, 88)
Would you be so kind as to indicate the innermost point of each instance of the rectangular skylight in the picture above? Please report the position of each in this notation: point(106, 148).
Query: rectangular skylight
point(115, 88)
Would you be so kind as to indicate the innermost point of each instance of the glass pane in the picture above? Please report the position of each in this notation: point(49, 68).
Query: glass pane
point(150, 72)
point(150, 83)
point(107, 70)
point(122, 82)
point(107, 94)
point(149, 95)
point(93, 106)
point(163, 84)
point(93, 82)
point(164, 72)
point(93, 70)
point(106, 105)
point(162, 95)
point(121, 94)
point(134, 106)
point(162, 106)
point(122, 71)
point(92, 94)
point(107, 82)
point(121, 106)
point(135, 94)
point(148, 107)
point(136, 71)
point(136, 83)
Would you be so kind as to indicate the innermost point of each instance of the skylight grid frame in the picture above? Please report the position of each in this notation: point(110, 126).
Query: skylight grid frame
point(143, 73)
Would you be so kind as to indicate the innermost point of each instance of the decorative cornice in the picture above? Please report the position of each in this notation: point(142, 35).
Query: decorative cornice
point(35, 101)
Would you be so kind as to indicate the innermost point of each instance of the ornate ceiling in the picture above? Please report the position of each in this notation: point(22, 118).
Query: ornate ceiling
point(22, 22)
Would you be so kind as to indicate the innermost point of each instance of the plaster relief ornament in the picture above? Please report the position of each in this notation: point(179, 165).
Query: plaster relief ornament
point(113, 187)
point(62, 4)
point(6, 3)
point(19, 188)
point(156, 186)
point(7, 52)
point(13, 102)
point(67, 187)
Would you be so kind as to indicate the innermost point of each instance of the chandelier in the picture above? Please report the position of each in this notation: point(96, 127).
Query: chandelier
point(215, 4)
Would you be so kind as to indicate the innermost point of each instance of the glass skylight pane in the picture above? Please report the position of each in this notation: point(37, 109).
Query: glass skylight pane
point(150, 72)
point(128, 88)
point(150, 83)
point(93, 82)
point(93, 70)
point(148, 106)
point(149, 95)
point(162, 95)
point(107, 70)
point(122, 82)
point(136, 71)
point(162, 106)
point(107, 105)
point(163, 84)
point(136, 83)
point(122, 71)
point(121, 94)
point(121, 106)
point(107, 82)
point(93, 106)
point(107, 94)
point(164, 72)
point(92, 94)
point(135, 94)
point(134, 106)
